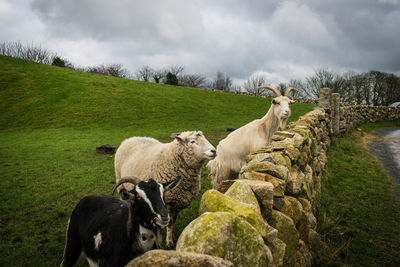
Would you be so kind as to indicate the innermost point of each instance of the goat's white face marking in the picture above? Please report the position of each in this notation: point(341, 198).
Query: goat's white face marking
point(146, 238)
point(97, 241)
point(143, 195)
point(162, 193)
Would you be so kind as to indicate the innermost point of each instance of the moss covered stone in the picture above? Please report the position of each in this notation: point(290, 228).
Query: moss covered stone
point(280, 160)
point(264, 192)
point(225, 235)
point(277, 171)
point(292, 208)
point(164, 258)
point(213, 201)
point(242, 192)
point(279, 252)
point(294, 185)
point(288, 234)
point(279, 185)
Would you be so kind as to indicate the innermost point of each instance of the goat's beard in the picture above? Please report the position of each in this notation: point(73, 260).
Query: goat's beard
point(282, 124)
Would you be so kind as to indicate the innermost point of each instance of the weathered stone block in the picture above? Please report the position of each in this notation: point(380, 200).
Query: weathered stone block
point(277, 171)
point(225, 235)
point(242, 192)
point(303, 256)
point(214, 201)
point(325, 98)
point(278, 184)
point(264, 192)
point(291, 207)
point(288, 234)
point(259, 157)
point(172, 258)
point(295, 182)
point(279, 253)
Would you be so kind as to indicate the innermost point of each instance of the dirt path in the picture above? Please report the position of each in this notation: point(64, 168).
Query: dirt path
point(385, 145)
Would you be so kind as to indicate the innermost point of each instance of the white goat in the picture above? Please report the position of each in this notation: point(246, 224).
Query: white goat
point(185, 156)
point(233, 150)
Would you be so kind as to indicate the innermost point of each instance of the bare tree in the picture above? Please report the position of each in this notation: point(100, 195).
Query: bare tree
point(299, 85)
point(192, 80)
point(253, 82)
point(117, 70)
point(176, 70)
point(323, 78)
point(158, 75)
point(221, 82)
point(144, 73)
point(30, 52)
point(392, 89)
point(384, 88)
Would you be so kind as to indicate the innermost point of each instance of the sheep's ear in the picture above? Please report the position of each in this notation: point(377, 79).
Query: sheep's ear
point(127, 196)
point(171, 185)
point(292, 101)
point(180, 139)
point(173, 135)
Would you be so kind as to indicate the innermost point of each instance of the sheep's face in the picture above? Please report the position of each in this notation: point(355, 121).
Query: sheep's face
point(196, 144)
point(281, 106)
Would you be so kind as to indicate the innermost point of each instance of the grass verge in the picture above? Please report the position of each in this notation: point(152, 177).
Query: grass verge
point(359, 217)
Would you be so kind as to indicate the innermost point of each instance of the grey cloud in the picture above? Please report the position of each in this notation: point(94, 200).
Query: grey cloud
point(284, 39)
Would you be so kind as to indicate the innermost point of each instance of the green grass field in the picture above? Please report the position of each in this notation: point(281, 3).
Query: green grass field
point(52, 119)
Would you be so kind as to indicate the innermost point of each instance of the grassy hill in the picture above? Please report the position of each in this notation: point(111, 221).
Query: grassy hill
point(51, 120)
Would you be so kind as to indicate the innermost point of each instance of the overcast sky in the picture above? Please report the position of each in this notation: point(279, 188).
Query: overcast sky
point(282, 40)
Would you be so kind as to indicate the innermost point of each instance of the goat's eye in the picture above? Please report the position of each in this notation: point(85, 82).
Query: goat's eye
point(193, 142)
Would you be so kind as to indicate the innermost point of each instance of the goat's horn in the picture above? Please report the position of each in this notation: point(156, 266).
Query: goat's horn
point(276, 91)
point(132, 179)
point(288, 90)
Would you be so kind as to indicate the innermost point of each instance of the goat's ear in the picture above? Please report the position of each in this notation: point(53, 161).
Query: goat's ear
point(292, 101)
point(127, 196)
point(171, 185)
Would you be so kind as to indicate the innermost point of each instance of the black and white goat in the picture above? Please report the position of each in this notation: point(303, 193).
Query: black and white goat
point(110, 231)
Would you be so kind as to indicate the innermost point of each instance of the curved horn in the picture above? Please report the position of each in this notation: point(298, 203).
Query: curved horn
point(288, 90)
point(273, 89)
point(132, 179)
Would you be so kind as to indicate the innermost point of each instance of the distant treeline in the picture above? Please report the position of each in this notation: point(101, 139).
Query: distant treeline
point(370, 88)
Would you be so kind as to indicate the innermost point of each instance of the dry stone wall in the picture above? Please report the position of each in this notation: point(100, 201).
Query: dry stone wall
point(267, 216)
point(276, 194)
point(352, 116)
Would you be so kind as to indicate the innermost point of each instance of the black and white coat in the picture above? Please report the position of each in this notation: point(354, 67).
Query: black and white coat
point(111, 232)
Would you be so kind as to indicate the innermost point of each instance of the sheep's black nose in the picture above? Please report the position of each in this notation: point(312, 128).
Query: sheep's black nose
point(214, 152)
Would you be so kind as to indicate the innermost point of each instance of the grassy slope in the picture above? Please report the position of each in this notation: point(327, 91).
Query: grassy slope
point(51, 120)
point(360, 216)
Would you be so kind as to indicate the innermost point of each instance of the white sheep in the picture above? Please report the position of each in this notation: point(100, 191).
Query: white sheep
point(147, 157)
point(233, 150)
